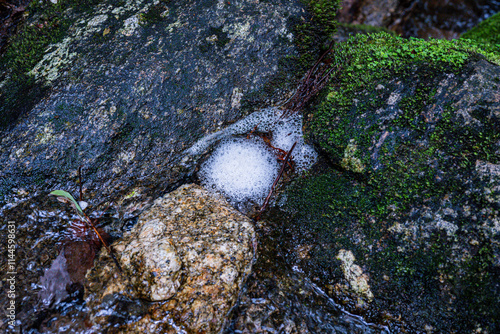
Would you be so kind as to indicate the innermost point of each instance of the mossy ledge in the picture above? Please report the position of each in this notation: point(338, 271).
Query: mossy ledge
point(411, 129)
point(487, 33)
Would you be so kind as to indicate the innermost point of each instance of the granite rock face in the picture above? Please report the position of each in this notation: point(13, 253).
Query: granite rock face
point(184, 262)
point(134, 83)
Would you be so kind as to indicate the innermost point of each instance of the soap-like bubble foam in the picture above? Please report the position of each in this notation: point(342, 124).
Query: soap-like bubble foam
point(242, 169)
point(287, 131)
point(262, 121)
point(245, 169)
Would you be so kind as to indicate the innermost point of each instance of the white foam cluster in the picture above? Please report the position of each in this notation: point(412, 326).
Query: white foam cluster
point(288, 131)
point(259, 121)
point(242, 169)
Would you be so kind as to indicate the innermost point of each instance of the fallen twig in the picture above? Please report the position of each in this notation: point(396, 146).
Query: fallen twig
point(80, 181)
point(266, 201)
point(314, 80)
point(108, 248)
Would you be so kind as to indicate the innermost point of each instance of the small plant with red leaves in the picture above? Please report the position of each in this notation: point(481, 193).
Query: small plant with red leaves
point(83, 229)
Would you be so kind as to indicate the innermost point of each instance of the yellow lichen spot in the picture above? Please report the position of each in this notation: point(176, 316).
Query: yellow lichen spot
point(354, 274)
point(332, 96)
point(133, 193)
point(350, 161)
point(45, 135)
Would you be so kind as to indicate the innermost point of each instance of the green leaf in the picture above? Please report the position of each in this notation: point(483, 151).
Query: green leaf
point(66, 197)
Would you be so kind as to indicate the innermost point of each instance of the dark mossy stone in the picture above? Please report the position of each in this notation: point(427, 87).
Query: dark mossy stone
point(412, 128)
point(487, 33)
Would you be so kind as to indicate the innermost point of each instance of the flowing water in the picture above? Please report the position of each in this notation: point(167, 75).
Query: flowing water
point(49, 286)
point(47, 299)
point(280, 298)
point(277, 296)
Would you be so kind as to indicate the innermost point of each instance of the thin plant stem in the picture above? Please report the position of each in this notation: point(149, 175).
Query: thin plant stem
point(282, 170)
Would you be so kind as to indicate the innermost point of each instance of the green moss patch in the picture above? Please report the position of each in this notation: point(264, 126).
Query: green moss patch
point(382, 117)
point(407, 198)
point(313, 34)
point(487, 33)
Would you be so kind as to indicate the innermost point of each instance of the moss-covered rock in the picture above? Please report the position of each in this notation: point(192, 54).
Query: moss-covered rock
point(412, 128)
point(487, 33)
point(312, 35)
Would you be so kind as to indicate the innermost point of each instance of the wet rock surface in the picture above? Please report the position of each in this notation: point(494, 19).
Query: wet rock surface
point(135, 83)
point(279, 298)
point(409, 185)
point(184, 265)
point(45, 239)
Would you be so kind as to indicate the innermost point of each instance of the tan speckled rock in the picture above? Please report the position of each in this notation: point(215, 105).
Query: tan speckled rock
point(186, 261)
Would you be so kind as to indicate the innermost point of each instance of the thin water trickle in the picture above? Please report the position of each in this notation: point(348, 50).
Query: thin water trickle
point(50, 262)
point(282, 298)
point(351, 317)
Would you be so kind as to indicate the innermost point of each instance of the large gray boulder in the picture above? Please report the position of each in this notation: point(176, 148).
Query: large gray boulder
point(134, 84)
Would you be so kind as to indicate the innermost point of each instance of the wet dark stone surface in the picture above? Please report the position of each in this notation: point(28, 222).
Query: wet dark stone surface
point(124, 107)
point(129, 91)
point(410, 184)
point(279, 298)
